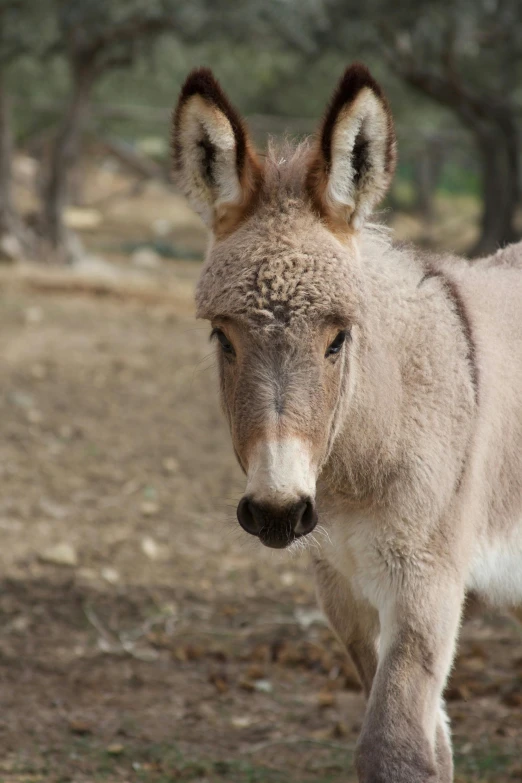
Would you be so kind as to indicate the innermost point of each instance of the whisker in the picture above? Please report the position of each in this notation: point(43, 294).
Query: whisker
point(204, 359)
point(324, 533)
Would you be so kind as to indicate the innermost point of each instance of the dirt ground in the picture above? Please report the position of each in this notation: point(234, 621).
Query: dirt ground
point(142, 637)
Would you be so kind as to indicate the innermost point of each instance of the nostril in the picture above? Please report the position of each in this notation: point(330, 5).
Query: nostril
point(246, 517)
point(307, 518)
point(276, 525)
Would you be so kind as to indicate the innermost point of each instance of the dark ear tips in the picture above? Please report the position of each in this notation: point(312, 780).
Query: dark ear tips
point(354, 157)
point(355, 78)
point(202, 82)
point(213, 162)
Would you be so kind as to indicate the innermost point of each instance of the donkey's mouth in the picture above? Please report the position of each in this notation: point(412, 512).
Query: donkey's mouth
point(277, 539)
point(277, 527)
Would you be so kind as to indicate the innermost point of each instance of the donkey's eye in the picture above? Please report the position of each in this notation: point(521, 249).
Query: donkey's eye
point(225, 343)
point(336, 345)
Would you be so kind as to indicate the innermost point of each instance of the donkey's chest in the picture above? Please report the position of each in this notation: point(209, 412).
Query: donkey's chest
point(376, 561)
point(380, 561)
point(496, 570)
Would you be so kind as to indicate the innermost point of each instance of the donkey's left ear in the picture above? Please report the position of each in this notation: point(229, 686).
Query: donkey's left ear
point(213, 160)
point(354, 159)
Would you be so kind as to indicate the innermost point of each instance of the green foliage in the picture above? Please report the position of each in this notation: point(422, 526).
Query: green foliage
point(27, 29)
point(279, 57)
point(459, 180)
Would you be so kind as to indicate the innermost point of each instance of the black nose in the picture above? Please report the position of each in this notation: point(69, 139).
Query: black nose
point(277, 526)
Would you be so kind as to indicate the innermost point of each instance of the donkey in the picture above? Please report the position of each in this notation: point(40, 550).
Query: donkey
point(366, 386)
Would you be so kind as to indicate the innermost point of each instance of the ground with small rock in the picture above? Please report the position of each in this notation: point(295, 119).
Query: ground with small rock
point(143, 636)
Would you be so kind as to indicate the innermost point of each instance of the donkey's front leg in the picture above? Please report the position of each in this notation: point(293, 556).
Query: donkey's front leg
point(403, 739)
point(355, 623)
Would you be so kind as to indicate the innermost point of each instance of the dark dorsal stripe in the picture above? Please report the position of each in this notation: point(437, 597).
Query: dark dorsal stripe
point(452, 292)
point(453, 295)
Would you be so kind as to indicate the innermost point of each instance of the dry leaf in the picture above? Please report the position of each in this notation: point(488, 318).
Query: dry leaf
point(115, 749)
point(326, 699)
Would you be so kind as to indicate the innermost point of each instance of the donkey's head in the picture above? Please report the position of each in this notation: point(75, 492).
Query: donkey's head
point(282, 284)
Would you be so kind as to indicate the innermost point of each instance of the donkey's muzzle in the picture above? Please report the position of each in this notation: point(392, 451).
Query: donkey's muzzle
point(277, 526)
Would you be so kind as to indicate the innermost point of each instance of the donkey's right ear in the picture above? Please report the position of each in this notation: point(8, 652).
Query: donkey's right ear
point(214, 163)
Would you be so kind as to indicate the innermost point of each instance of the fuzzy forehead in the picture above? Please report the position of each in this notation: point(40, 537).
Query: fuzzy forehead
point(281, 266)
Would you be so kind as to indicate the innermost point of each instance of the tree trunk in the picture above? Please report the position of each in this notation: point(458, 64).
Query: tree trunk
point(64, 153)
point(6, 206)
point(427, 165)
point(14, 239)
point(493, 125)
point(498, 147)
point(424, 184)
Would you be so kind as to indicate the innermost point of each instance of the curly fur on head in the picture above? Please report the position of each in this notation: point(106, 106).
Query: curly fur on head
point(282, 265)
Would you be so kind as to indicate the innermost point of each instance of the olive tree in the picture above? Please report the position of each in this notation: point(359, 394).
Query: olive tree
point(96, 37)
point(466, 55)
point(25, 30)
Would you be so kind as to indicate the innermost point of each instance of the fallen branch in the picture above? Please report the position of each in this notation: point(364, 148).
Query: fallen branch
point(134, 161)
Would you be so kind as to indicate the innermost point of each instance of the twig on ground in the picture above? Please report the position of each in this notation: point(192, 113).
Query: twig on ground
point(122, 644)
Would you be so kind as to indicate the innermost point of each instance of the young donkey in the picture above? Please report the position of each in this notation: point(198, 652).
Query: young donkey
point(367, 387)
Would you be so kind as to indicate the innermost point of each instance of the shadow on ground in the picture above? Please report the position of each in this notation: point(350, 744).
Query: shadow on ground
point(142, 638)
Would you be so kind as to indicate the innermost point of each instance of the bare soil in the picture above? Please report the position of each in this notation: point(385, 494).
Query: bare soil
point(142, 636)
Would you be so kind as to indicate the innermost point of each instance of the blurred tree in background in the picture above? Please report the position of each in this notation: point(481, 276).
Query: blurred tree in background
point(94, 37)
point(112, 67)
point(26, 29)
point(467, 56)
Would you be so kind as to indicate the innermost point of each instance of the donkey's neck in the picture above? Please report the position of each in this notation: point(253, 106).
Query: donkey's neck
point(412, 397)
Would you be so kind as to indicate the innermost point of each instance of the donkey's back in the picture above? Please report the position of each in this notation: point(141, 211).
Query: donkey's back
point(492, 291)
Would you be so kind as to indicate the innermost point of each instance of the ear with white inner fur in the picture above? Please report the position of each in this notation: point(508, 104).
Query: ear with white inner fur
point(213, 162)
point(355, 156)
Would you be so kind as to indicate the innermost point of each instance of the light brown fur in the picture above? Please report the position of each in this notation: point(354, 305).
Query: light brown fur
point(407, 440)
